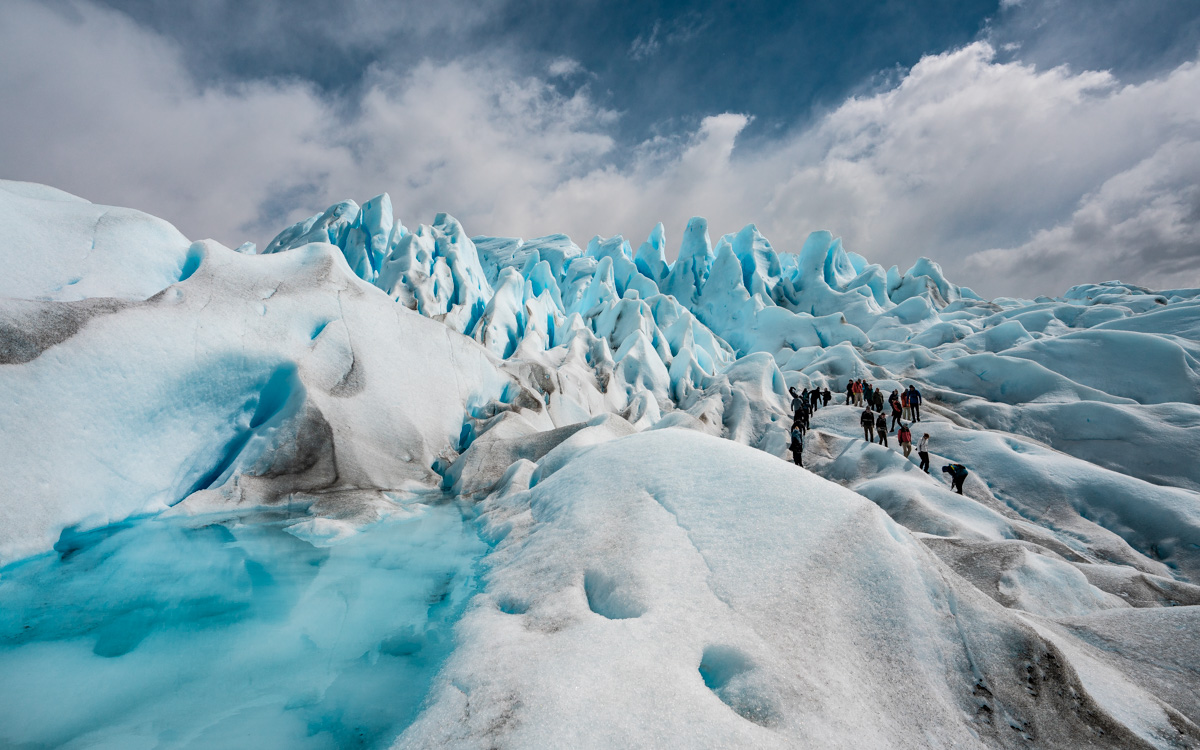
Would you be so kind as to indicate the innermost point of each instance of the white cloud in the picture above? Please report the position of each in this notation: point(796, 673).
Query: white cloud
point(993, 169)
point(564, 67)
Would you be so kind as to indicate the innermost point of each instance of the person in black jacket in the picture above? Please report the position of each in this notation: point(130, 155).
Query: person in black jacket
point(826, 396)
point(881, 430)
point(797, 446)
point(868, 423)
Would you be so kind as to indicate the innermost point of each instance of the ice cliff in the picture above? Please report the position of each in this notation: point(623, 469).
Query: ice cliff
point(381, 486)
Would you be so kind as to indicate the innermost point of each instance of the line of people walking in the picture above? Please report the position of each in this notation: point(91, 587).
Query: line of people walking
point(804, 404)
point(905, 406)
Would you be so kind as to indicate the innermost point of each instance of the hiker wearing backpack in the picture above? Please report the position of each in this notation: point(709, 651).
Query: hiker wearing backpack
point(896, 409)
point(881, 430)
point(905, 438)
point(958, 474)
point(867, 420)
point(923, 452)
point(797, 446)
point(914, 402)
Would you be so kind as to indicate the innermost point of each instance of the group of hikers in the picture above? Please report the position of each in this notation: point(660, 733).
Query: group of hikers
point(905, 406)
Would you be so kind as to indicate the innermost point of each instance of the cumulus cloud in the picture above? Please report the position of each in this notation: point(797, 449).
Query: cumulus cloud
point(1018, 180)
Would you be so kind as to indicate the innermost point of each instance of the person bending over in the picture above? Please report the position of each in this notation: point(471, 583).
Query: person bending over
point(958, 475)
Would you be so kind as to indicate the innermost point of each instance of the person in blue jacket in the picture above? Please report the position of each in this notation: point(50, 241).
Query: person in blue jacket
point(797, 446)
point(958, 475)
point(914, 402)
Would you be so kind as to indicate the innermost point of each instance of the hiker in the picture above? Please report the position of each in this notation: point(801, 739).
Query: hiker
point(881, 430)
point(799, 423)
point(868, 423)
point(905, 438)
point(858, 393)
point(896, 409)
point(796, 401)
point(797, 446)
point(879, 400)
point(914, 402)
point(815, 397)
point(849, 393)
point(923, 452)
point(905, 407)
point(868, 395)
point(958, 475)
point(801, 415)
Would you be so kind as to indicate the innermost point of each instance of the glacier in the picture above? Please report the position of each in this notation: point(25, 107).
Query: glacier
point(376, 486)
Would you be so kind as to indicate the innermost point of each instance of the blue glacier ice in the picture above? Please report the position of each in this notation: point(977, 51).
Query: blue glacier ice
point(396, 486)
point(225, 631)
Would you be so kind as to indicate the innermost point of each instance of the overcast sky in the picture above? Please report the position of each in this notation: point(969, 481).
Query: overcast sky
point(1026, 145)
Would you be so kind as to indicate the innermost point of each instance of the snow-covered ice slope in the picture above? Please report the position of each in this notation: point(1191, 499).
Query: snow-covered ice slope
point(569, 468)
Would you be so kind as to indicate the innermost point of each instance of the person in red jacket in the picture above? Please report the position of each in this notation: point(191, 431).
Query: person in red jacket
point(905, 438)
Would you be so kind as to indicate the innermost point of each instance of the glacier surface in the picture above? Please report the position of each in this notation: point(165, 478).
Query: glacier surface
point(379, 486)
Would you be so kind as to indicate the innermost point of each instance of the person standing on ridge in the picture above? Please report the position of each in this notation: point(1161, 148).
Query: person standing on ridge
point(815, 397)
point(797, 446)
point(914, 401)
point(905, 438)
point(958, 475)
point(867, 420)
point(826, 396)
point(849, 393)
point(923, 452)
point(881, 430)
